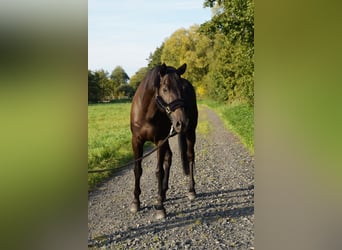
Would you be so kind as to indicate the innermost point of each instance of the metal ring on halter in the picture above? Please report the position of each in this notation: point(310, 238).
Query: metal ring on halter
point(168, 110)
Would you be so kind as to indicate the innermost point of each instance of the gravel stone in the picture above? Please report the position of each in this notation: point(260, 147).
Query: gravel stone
point(221, 216)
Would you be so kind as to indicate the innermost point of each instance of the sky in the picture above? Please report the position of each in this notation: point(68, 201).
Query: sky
point(124, 33)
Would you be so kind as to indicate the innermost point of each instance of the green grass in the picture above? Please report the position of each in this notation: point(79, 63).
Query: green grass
point(109, 138)
point(238, 118)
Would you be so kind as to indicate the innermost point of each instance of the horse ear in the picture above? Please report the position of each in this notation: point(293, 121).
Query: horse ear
point(181, 69)
point(163, 69)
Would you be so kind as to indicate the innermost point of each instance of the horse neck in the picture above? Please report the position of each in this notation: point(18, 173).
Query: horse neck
point(148, 103)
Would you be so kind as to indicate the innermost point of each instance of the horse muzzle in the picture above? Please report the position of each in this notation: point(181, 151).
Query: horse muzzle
point(179, 121)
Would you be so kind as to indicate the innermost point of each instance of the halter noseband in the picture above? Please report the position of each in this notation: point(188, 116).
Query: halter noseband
point(169, 107)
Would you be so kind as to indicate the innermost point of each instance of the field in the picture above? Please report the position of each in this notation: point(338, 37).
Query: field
point(109, 138)
point(109, 135)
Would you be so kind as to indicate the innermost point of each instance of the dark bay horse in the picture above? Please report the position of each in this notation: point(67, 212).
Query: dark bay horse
point(164, 99)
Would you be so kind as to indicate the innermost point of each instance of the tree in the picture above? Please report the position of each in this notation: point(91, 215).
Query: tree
point(94, 90)
point(125, 90)
point(99, 86)
point(118, 77)
point(155, 58)
point(138, 77)
point(105, 85)
point(190, 47)
point(233, 18)
point(231, 70)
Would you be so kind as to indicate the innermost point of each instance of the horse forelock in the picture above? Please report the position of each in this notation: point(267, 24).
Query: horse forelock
point(170, 70)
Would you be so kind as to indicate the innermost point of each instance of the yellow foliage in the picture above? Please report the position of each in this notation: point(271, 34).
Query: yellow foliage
point(190, 47)
point(200, 90)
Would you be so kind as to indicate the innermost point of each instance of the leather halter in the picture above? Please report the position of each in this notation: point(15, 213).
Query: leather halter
point(169, 107)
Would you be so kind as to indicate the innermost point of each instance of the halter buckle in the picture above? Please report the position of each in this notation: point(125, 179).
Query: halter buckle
point(168, 110)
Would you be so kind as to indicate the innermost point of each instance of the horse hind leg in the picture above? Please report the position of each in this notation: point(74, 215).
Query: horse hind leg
point(192, 192)
point(183, 148)
point(187, 144)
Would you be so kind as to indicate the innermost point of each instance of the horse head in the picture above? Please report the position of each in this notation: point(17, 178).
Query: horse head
point(169, 96)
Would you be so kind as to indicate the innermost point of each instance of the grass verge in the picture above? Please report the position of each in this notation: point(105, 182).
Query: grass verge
point(238, 118)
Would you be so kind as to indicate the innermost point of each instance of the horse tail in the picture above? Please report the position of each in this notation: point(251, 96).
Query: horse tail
point(183, 151)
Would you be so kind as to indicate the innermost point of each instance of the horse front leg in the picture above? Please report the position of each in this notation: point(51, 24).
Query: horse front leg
point(167, 165)
point(137, 146)
point(160, 210)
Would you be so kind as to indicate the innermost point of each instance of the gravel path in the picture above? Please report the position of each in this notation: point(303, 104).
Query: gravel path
point(221, 216)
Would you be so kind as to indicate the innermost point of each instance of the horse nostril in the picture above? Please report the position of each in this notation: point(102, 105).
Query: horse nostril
point(178, 125)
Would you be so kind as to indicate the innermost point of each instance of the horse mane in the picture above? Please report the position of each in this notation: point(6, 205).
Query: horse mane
point(152, 78)
point(147, 92)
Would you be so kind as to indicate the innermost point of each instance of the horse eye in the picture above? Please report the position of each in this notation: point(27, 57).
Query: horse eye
point(164, 90)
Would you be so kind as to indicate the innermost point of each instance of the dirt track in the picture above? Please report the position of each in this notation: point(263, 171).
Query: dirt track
point(221, 217)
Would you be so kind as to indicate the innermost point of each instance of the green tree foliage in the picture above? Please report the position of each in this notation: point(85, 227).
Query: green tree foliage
point(119, 77)
point(138, 77)
point(94, 90)
point(233, 18)
point(125, 90)
point(104, 87)
point(99, 86)
point(231, 70)
point(155, 58)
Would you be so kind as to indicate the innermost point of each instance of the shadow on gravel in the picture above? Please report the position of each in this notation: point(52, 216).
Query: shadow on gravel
point(208, 208)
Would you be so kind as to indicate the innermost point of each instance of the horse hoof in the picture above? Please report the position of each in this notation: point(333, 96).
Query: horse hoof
point(191, 196)
point(135, 207)
point(160, 214)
